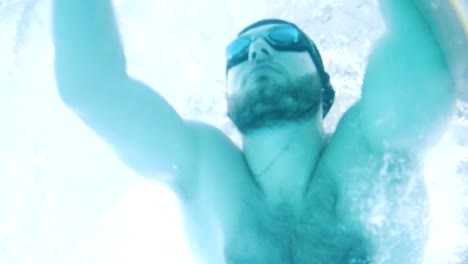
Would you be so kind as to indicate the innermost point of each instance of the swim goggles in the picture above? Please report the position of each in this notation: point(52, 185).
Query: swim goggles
point(282, 38)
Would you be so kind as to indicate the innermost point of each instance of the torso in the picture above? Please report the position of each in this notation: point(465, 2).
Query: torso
point(261, 234)
point(228, 221)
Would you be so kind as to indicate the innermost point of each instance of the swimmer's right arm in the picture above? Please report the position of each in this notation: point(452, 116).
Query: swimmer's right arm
point(142, 128)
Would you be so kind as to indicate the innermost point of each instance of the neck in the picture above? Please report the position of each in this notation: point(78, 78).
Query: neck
point(283, 159)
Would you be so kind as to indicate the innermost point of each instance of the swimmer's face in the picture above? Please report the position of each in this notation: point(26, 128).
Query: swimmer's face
point(265, 65)
point(271, 81)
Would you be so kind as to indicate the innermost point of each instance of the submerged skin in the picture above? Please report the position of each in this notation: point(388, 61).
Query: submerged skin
point(290, 195)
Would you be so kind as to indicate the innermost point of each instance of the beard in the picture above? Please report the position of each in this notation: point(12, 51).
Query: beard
point(270, 104)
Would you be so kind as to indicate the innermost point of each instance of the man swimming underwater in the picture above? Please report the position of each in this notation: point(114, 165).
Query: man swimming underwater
point(290, 195)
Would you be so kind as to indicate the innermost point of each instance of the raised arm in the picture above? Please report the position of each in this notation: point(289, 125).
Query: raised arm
point(143, 129)
point(407, 101)
point(408, 93)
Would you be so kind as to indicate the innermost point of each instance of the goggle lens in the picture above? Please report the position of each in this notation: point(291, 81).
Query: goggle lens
point(239, 46)
point(282, 38)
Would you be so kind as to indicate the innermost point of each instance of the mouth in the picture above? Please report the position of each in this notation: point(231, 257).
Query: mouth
point(262, 70)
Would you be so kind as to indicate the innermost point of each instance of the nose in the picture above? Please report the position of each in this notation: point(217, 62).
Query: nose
point(259, 50)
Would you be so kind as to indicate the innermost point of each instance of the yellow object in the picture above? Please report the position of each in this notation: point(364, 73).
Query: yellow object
point(462, 13)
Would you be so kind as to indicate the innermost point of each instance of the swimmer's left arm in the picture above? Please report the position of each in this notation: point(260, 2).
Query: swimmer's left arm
point(408, 93)
point(406, 101)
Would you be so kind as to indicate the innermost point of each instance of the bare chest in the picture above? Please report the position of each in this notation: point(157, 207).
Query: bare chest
point(253, 231)
point(259, 236)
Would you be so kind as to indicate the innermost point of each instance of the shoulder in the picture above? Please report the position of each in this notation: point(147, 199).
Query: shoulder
point(210, 138)
point(210, 143)
point(218, 155)
point(352, 157)
point(361, 170)
point(219, 160)
point(347, 143)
